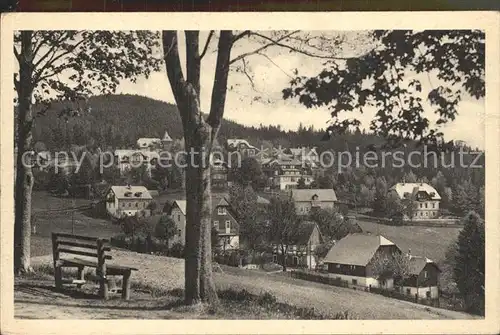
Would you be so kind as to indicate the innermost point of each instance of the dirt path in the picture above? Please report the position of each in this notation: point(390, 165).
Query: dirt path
point(168, 273)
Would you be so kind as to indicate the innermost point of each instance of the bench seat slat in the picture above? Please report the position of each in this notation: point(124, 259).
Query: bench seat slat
point(83, 262)
point(80, 237)
point(82, 253)
point(82, 245)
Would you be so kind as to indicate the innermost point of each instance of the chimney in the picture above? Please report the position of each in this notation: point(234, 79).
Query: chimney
point(128, 186)
point(409, 253)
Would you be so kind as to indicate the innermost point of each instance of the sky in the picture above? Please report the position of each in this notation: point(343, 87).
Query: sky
point(271, 74)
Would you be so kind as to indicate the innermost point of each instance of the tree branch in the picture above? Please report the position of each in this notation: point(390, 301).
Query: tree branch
point(50, 51)
point(292, 48)
point(193, 60)
point(240, 36)
point(16, 53)
point(205, 48)
point(54, 59)
point(220, 82)
point(262, 48)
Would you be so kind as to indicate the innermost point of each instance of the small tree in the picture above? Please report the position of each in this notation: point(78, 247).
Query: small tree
point(301, 184)
point(152, 206)
point(284, 223)
point(165, 229)
point(215, 239)
point(131, 225)
point(244, 202)
point(468, 272)
point(396, 265)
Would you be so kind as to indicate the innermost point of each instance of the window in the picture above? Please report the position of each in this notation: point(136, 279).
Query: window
point(136, 204)
point(179, 232)
point(337, 266)
point(408, 291)
point(355, 282)
point(123, 205)
point(216, 224)
point(428, 294)
point(426, 275)
point(433, 205)
point(178, 217)
point(129, 205)
point(425, 205)
point(420, 205)
point(275, 258)
point(221, 211)
point(228, 224)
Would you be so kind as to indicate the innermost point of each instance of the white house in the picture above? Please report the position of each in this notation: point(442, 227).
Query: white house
point(426, 197)
point(307, 199)
point(128, 200)
point(149, 143)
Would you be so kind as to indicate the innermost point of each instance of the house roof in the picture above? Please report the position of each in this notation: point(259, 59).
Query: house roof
point(402, 188)
point(304, 232)
point(166, 137)
point(147, 141)
point(307, 194)
point(126, 152)
point(181, 204)
point(262, 201)
point(418, 263)
point(236, 141)
point(303, 150)
point(356, 249)
point(135, 192)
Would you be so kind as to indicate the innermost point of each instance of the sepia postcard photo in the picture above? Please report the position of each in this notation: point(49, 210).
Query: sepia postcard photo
point(224, 172)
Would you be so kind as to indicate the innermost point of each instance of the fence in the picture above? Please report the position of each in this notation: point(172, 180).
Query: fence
point(425, 223)
point(402, 296)
point(324, 279)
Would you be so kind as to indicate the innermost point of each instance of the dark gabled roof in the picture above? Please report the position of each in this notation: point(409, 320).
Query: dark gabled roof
point(418, 263)
point(356, 249)
point(304, 232)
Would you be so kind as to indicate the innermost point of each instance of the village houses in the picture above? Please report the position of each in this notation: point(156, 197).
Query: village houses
point(243, 147)
point(301, 252)
point(307, 199)
point(128, 200)
point(426, 197)
point(284, 172)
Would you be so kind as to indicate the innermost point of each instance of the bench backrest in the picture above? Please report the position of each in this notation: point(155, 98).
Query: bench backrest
point(81, 246)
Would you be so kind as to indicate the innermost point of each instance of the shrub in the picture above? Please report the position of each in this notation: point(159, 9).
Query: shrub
point(177, 250)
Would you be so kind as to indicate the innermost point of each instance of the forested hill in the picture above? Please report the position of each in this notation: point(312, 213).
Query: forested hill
point(118, 120)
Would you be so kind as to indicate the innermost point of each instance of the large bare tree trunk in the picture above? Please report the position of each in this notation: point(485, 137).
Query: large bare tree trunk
point(24, 175)
point(199, 135)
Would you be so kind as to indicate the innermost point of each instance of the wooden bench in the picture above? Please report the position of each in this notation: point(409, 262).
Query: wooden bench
point(96, 248)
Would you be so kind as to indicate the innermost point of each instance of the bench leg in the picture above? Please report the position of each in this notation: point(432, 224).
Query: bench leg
point(58, 277)
point(126, 285)
point(103, 288)
point(81, 273)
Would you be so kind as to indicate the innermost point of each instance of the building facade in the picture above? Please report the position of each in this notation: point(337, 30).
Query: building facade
point(426, 199)
point(224, 220)
point(177, 213)
point(351, 259)
point(128, 201)
point(307, 199)
point(301, 252)
point(284, 173)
